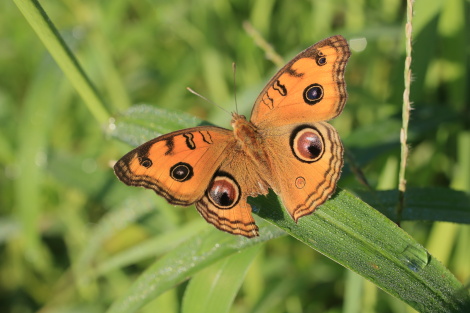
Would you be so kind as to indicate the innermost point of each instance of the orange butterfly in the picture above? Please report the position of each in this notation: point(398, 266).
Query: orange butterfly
point(287, 146)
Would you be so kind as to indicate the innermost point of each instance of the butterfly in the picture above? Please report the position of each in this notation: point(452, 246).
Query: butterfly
point(286, 146)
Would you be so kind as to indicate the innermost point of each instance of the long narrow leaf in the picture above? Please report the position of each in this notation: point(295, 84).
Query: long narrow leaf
point(358, 237)
point(422, 204)
point(214, 289)
point(64, 57)
point(184, 261)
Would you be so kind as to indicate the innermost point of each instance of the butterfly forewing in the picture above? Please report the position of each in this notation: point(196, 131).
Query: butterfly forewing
point(309, 88)
point(179, 165)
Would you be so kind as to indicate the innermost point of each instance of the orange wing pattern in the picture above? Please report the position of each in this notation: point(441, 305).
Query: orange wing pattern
point(178, 166)
point(309, 88)
point(307, 165)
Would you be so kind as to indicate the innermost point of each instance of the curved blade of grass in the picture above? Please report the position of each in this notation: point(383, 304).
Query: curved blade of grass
point(422, 204)
point(152, 247)
point(46, 31)
point(115, 221)
point(143, 122)
point(358, 237)
point(214, 289)
point(186, 260)
point(31, 141)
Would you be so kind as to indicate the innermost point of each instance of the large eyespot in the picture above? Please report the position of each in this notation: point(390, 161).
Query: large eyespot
point(321, 59)
point(224, 192)
point(307, 144)
point(181, 172)
point(313, 94)
point(145, 162)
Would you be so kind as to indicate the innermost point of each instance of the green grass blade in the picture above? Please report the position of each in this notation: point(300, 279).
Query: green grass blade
point(214, 289)
point(46, 31)
point(184, 261)
point(422, 204)
point(130, 211)
point(152, 247)
point(358, 237)
point(38, 113)
point(143, 122)
point(354, 293)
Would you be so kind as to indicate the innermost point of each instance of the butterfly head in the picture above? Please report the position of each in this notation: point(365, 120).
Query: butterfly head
point(237, 119)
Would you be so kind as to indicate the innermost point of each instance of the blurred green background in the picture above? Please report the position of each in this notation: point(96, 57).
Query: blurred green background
point(61, 205)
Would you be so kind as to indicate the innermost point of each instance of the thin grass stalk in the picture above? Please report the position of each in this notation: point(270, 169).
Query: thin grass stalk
point(49, 35)
point(268, 49)
point(405, 110)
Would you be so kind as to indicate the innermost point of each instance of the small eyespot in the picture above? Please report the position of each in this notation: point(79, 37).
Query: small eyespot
point(307, 145)
point(224, 192)
point(313, 94)
point(181, 172)
point(300, 182)
point(145, 162)
point(321, 59)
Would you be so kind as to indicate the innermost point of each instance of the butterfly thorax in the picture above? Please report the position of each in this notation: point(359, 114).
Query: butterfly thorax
point(249, 140)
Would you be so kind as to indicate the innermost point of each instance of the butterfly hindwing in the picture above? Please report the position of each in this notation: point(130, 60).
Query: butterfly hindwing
point(309, 158)
point(224, 203)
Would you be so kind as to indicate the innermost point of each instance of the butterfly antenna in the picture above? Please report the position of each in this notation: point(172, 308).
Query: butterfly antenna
point(202, 97)
point(234, 67)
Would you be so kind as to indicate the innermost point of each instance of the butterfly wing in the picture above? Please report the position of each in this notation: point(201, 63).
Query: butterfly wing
point(307, 154)
point(198, 165)
point(178, 166)
point(307, 166)
point(309, 88)
point(224, 203)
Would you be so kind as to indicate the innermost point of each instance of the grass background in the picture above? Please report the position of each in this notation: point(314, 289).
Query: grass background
point(73, 238)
